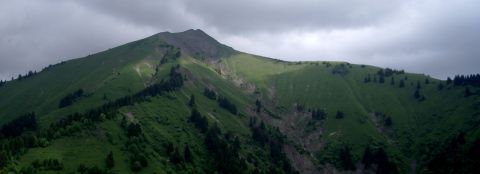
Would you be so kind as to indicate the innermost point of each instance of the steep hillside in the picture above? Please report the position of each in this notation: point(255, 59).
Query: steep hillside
point(379, 107)
point(106, 75)
point(185, 103)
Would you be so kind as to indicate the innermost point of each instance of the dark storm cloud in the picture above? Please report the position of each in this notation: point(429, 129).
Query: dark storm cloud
point(277, 16)
point(433, 37)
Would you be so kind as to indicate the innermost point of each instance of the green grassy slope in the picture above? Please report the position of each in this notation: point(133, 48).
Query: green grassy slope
point(287, 91)
point(164, 119)
point(112, 73)
point(313, 85)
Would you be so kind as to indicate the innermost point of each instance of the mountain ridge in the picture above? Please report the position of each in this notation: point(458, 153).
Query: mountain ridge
point(196, 43)
point(310, 117)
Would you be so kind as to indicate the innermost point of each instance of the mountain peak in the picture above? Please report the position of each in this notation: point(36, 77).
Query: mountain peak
point(197, 32)
point(196, 43)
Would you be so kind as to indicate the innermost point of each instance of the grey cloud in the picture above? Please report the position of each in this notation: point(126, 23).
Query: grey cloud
point(437, 38)
point(37, 33)
point(274, 16)
point(236, 17)
point(165, 14)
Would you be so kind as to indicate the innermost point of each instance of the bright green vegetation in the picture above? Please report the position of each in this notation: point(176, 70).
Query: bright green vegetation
point(136, 109)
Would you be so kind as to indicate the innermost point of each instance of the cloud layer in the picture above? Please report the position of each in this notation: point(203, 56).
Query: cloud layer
point(439, 38)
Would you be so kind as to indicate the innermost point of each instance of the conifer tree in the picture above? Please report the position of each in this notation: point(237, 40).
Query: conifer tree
point(187, 154)
point(191, 103)
point(402, 84)
point(109, 160)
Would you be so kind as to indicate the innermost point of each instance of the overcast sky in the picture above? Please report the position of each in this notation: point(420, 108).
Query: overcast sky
point(436, 37)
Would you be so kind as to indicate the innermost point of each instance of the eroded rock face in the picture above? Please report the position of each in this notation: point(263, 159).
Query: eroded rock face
point(196, 43)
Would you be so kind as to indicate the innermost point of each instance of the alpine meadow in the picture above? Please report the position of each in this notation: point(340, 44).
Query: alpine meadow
point(186, 103)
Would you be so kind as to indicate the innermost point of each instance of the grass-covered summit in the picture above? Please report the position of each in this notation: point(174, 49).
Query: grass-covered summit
point(185, 103)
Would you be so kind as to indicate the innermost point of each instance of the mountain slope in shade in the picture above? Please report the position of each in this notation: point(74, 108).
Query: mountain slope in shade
point(185, 103)
point(196, 43)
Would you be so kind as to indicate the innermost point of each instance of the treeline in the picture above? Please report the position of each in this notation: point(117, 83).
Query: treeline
point(210, 94)
point(14, 141)
point(138, 158)
point(454, 155)
point(345, 160)
point(464, 80)
point(222, 101)
point(51, 66)
point(133, 130)
point(383, 118)
point(258, 106)
point(20, 77)
point(200, 122)
point(69, 99)
point(174, 153)
point(17, 126)
point(376, 159)
point(227, 104)
point(341, 69)
point(327, 64)
point(48, 164)
point(387, 72)
point(82, 169)
point(178, 157)
point(373, 159)
point(319, 114)
point(27, 75)
point(30, 73)
point(339, 115)
point(135, 146)
point(175, 81)
point(417, 94)
point(18, 142)
point(272, 139)
point(383, 74)
point(172, 53)
point(224, 148)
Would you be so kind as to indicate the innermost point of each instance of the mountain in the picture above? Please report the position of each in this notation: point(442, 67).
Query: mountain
point(185, 103)
point(196, 43)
